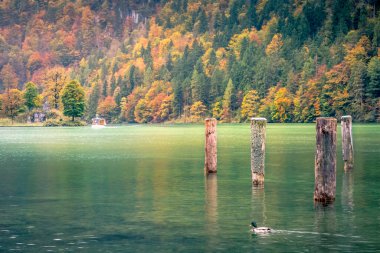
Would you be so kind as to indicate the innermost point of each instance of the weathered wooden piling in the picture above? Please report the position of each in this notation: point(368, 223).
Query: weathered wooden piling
point(258, 127)
point(347, 146)
point(325, 160)
point(210, 146)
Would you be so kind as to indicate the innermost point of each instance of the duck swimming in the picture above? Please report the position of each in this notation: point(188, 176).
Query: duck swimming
point(259, 230)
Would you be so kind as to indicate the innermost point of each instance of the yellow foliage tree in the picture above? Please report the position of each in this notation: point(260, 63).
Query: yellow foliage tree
point(236, 42)
point(277, 105)
point(142, 112)
point(275, 45)
point(282, 105)
point(221, 57)
point(266, 31)
point(359, 52)
point(198, 111)
point(250, 105)
point(217, 110)
point(139, 64)
point(53, 82)
point(306, 102)
point(260, 5)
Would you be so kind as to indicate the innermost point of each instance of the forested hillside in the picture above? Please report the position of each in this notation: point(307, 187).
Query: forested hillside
point(156, 61)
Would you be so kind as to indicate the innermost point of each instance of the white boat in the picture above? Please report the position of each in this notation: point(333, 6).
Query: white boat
point(98, 122)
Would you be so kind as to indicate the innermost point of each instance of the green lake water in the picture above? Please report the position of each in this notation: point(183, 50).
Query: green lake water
point(142, 189)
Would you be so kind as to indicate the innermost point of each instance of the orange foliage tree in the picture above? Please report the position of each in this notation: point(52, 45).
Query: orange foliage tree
point(107, 108)
point(12, 103)
point(128, 110)
point(156, 105)
point(8, 77)
point(335, 96)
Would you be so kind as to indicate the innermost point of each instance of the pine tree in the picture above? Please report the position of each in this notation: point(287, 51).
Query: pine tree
point(112, 84)
point(373, 89)
point(357, 88)
point(148, 77)
point(93, 101)
point(132, 80)
point(147, 56)
point(216, 83)
point(227, 101)
point(199, 85)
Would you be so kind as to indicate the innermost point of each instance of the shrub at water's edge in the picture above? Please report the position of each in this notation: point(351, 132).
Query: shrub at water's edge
point(6, 122)
point(55, 123)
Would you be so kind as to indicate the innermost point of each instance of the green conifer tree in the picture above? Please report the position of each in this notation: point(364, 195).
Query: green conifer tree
point(73, 100)
point(31, 96)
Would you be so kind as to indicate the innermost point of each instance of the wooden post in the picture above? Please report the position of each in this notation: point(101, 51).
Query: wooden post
point(325, 160)
point(210, 146)
point(258, 126)
point(347, 146)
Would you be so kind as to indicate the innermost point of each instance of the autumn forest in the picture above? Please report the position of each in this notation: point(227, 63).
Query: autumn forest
point(181, 61)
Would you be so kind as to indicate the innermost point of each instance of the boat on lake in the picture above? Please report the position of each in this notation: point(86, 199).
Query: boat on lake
point(98, 122)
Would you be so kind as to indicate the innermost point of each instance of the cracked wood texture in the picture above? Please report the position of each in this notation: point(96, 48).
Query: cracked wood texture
point(347, 145)
point(325, 160)
point(258, 128)
point(210, 146)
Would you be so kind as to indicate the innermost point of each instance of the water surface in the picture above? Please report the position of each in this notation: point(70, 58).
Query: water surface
point(142, 189)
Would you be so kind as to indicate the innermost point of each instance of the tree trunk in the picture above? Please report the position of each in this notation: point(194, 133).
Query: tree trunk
point(325, 160)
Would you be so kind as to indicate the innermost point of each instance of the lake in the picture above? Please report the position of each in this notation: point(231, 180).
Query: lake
point(141, 188)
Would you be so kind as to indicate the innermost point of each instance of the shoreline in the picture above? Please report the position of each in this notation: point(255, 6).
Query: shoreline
point(177, 123)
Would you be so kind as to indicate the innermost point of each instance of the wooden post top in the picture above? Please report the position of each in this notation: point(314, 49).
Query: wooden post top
point(326, 118)
point(346, 117)
point(326, 124)
point(210, 119)
point(258, 119)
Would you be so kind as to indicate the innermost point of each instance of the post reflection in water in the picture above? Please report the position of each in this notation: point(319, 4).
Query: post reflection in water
point(258, 205)
point(211, 206)
point(325, 224)
point(348, 204)
point(348, 192)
